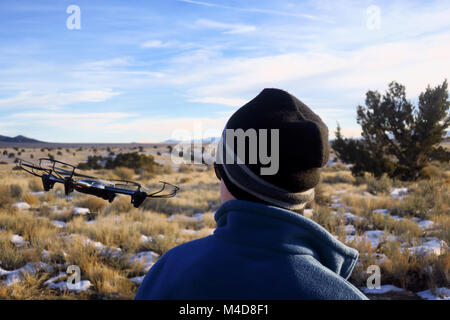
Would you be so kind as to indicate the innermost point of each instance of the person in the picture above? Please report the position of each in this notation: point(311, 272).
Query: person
point(263, 247)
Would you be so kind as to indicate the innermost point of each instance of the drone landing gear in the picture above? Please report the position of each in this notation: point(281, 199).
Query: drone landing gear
point(68, 186)
point(137, 198)
point(110, 197)
point(47, 183)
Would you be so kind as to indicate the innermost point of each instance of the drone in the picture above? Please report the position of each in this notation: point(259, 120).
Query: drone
point(53, 171)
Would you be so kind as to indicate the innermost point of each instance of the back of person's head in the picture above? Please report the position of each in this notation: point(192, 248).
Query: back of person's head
point(282, 164)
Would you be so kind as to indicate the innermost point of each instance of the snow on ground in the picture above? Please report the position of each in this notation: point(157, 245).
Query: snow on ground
point(189, 231)
point(18, 240)
point(372, 236)
point(399, 192)
point(308, 213)
point(45, 254)
point(423, 224)
point(21, 205)
point(383, 289)
point(350, 217)
point(56, 278)
point(15, 276)
point(38, 193)
point(439, 294)
point(195, 217)
point(83, 285)
point(148, 258)
point(426, 224)
point(196, 232)
point(105, 250)
point(145, 239)
point(138, 280)
point(80, 211)
point(59, 224)
point(349, 229)
point(430, 246)
point(382, 211)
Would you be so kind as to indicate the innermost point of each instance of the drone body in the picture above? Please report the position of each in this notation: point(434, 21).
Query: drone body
point(59, 172)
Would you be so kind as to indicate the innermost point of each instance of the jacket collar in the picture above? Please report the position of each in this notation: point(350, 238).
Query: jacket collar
point(260, 225)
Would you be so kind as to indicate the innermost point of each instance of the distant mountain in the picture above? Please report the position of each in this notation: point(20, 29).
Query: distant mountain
point(204, 140)
point(18, 139)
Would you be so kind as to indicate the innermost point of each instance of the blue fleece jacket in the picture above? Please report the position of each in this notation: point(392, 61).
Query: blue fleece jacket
point(256, 252)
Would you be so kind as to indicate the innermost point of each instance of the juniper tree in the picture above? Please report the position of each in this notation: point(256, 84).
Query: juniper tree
point(397, 138)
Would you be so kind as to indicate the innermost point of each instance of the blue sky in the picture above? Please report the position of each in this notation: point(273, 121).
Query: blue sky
point(149, 71)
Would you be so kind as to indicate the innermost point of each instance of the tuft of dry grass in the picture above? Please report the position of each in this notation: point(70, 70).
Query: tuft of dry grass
point(124, 173)
point(32, 200)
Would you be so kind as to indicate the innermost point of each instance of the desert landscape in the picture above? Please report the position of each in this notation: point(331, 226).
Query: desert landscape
point(403, 227)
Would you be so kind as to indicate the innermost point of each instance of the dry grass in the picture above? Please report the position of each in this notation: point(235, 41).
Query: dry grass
point(118, 225)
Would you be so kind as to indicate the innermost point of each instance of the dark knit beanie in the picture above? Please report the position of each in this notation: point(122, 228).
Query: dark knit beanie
point(302, 150)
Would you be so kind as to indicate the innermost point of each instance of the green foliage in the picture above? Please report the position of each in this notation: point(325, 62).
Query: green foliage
point(379, 186)
point(92, 163)
point(132, 160)
point(397, 138)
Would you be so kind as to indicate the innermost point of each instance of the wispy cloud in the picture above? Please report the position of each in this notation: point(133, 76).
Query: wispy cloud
point(150, 44)
point(162, 66)
point(254, 10)
point(233, 102)
point(52, 100)
point(229, 28)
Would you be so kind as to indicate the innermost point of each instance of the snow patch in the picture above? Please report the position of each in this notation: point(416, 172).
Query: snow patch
point(426, 224)
point(138, 280)
point(15, 276)
point(80, 211)
point(383, 289)
point(399, 192)
point(431, 246)
point(83, 285)
point(58, 223)
point(373, 236)
point(439, 294)
point(18, 240)
point(382, 211)
point(148, 258)
point(21, 205)
point(145, 239)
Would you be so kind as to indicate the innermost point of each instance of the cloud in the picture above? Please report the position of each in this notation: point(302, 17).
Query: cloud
point(346, 74)
point(230, 28)
point(116, 126)
point(254, 10)
point(233, 102)
point(150, 44)
point(102, 64)
point(103, 116)
point(52, 100)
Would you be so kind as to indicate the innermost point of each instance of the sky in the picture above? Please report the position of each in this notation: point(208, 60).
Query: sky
point(148, 71)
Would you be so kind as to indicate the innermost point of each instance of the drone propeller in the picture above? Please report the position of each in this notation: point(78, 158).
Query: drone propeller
point(106, 189)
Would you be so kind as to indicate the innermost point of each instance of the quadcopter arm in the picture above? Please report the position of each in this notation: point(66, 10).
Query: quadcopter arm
point(51, 174)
